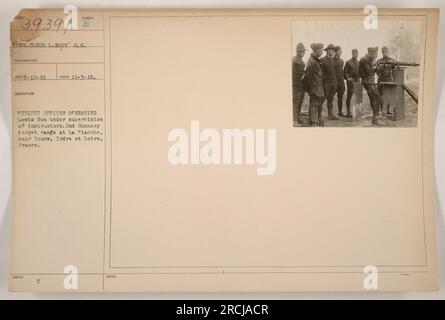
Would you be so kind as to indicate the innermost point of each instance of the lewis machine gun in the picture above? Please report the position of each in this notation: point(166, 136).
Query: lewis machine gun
point(392, 73)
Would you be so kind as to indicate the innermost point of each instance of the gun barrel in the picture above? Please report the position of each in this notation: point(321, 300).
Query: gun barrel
point(408, 64)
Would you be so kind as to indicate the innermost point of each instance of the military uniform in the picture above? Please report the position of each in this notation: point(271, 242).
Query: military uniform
point(350, 74)
point(314, 78)
point(385, 75)
point(340, 83)
point(367, 73)
point(297, 86)
point(330, 80)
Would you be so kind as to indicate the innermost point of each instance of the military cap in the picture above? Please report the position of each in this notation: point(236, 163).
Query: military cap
point(315, 46)
point(373, 49)
point(337, 48)
point(385, 49)
point(330, 47)
point(300, 47)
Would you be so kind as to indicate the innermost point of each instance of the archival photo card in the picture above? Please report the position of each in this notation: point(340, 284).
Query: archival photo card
point(158, 150)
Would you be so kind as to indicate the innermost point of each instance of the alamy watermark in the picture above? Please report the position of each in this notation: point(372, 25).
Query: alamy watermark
point(71, 280)
point(228, 147)
point(371, 280)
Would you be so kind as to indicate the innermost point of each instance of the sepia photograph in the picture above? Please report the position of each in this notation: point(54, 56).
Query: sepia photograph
point(347, 75)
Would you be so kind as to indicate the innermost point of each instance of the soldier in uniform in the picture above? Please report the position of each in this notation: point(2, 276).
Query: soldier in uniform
point(350, 74)
point(297, 82)
point(385, 74)
point(340, 82)
point(330, 79)
point(314, 84)
point(366, 69)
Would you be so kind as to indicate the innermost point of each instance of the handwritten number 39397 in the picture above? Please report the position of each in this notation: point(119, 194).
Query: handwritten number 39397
point(39, 24)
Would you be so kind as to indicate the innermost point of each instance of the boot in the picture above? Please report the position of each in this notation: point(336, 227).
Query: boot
point(348, 110)
point(340, 108)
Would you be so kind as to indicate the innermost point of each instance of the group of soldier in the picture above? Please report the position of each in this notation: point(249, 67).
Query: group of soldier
point(324, 77)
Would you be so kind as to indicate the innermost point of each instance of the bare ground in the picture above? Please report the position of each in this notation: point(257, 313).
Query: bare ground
point(384, 119)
